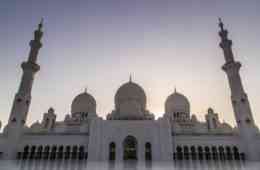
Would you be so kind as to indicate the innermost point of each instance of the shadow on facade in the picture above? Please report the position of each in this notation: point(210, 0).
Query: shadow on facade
point(127, 165)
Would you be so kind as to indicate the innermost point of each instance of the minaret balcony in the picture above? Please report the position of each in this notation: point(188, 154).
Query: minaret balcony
point(231, 67)
point(30, 66)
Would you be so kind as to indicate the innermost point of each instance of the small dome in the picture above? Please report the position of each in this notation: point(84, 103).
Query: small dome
point(51, 110)
point(210, 111)
point(194, 118)
point(177, 102)
point(83, 103)
point(130, 101)
point(36, 125)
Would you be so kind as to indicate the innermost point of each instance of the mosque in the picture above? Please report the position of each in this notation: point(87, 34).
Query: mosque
point(130, 131)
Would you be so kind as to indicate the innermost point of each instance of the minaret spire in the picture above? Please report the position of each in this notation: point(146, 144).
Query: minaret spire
point(240, 102)
point(221, 25)
point(225, 43)
point(40, 25)
point(36, 43)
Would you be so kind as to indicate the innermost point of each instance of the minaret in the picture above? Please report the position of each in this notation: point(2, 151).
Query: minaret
point(241, 106)
point(22, 98)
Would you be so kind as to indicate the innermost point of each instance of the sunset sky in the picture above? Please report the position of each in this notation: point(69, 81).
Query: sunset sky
point(98, 43)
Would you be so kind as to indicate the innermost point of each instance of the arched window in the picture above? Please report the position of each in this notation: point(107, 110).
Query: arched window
point(46, 123)
point(46, 152)
point(221, 153)
point(18, 156)
point(148, 151)
point(25, 152)
point(214, 121)
point(242, 156)
point(130, 148)
point(39, 152)
point(207, 153)
point(236, 153)
point(67, 152)
point(74, 152)
point(229, 153)
point(179, 153)
point(200, 151)
point(14, 120)
point(60, 152)
point(214, 153)
point(112, 151)
point(32, 153)
point(81, 152)
point(53, 152)
point(208, 124)
point(186, 152)
point(193, 153)
point(52, 123)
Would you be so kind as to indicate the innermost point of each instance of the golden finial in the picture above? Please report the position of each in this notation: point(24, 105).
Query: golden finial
point(221, 25)
point(40, 25)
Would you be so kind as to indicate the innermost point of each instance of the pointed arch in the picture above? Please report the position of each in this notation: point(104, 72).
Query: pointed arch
point(46, 152)
point(81, 152)
point(112, 151)
point(214, 153)
point(236, 153)
point(193, 153)
point(67, 152)
point(74, 151)
point(200, 152)
point(39, 152)
point(221, 153)
point(53, 152)
point(179, 153)
point(186, 152)
point(207, 153)
point(130, 146)
point(26, 152)
point(148, 151)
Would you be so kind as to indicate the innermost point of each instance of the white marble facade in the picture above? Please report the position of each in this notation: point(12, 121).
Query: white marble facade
point(130, 131)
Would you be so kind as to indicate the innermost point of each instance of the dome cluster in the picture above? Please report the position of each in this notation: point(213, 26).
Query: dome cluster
point(130, 104)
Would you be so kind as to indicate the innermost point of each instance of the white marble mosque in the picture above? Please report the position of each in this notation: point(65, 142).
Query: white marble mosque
point(130, 131)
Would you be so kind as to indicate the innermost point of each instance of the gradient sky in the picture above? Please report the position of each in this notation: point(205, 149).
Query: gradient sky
point(99, 43)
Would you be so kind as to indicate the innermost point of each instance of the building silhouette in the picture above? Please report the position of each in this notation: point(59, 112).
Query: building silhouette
point(130, 131)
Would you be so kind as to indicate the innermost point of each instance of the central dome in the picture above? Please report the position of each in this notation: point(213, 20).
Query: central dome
point(130, 101)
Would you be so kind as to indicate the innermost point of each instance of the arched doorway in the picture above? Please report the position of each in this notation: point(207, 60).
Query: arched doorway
point(60, 152)
point(112, 151)
point(25, 152)
point(236, 153)
point(179, 153)
point(193, 153)
point(148, 151)
point(130, 148)
point(186, 152)
point(81, 152)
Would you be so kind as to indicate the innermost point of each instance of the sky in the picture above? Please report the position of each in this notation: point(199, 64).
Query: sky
point(97, 44)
